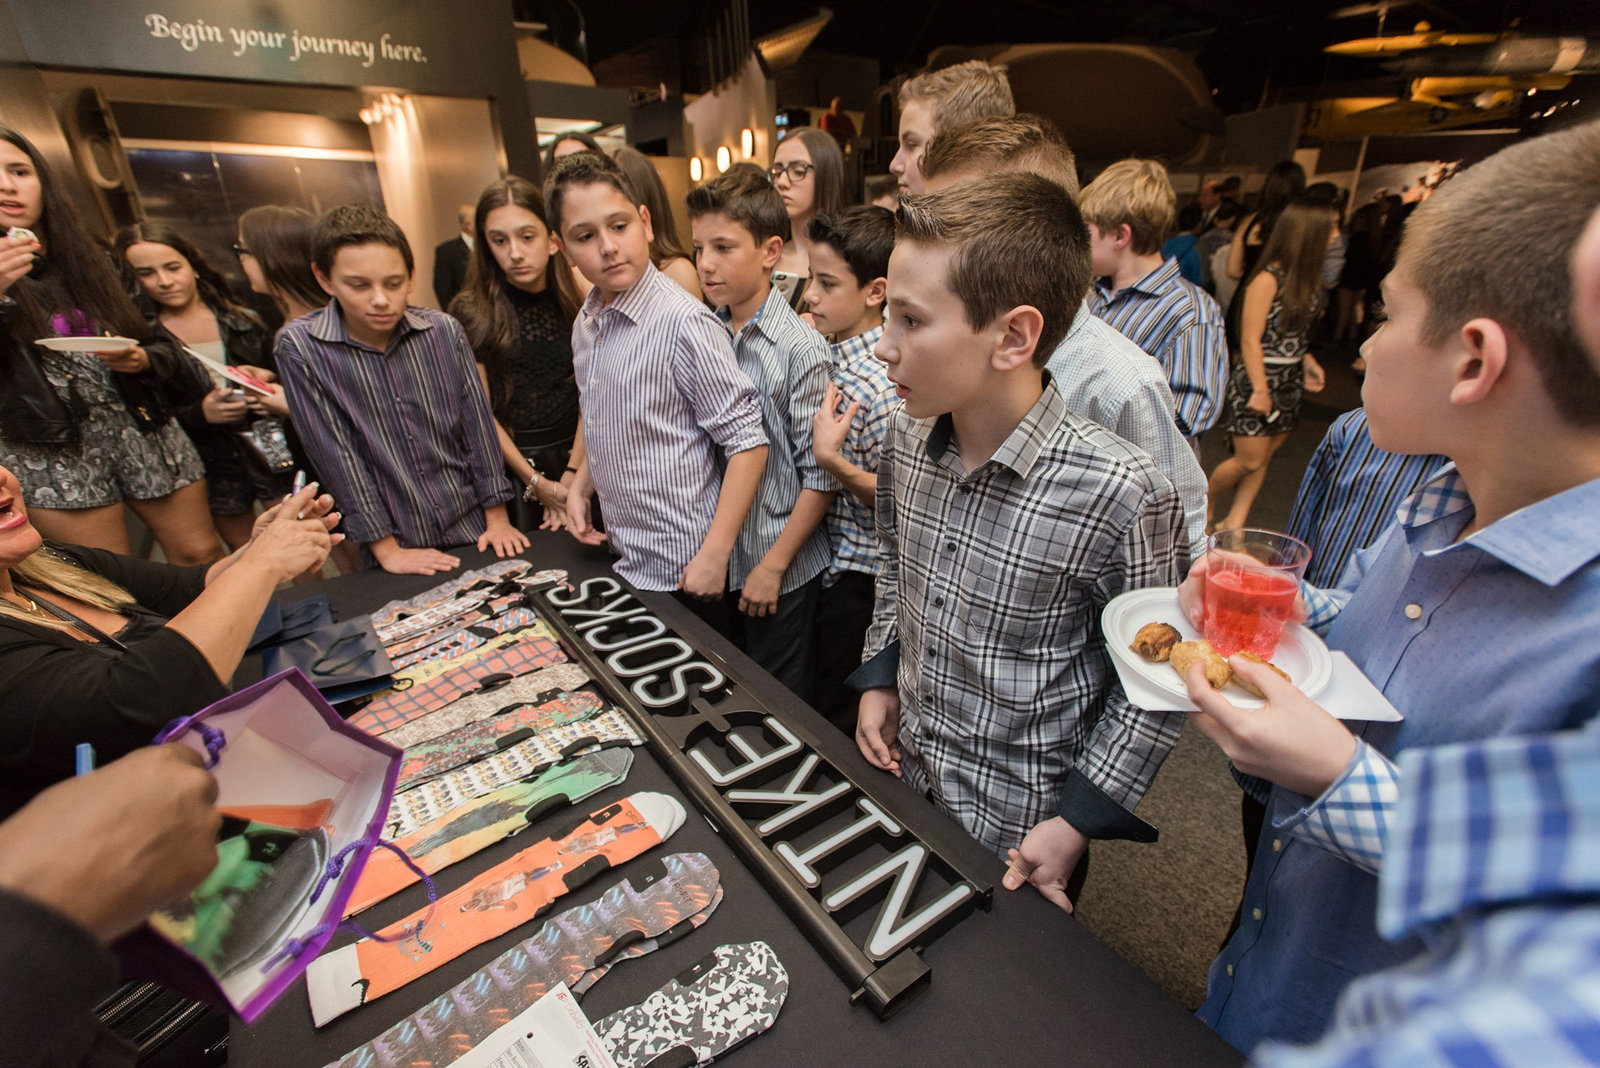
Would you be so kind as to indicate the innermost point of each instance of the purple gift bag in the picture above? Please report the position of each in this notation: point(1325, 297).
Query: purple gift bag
point(304, 795)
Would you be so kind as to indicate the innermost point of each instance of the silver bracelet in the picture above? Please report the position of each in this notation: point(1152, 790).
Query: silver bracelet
point(531, 494)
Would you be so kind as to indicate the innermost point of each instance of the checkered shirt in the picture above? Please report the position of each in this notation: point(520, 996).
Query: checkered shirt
point(993, 581)
point(1491, 857)
point(1352, 817)
point(862, 379)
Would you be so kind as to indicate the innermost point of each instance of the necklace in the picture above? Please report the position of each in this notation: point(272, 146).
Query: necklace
point(33, 606)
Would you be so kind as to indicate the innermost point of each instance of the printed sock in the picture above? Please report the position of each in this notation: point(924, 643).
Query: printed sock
point(647, 910)
point(436, 797)
point(423, 642)
point(538, 649)
point(508, 894)
point(462, 640)
point(462, 593)
point(725, 998)
point(434, 757)
point(524, 689)
point(483, 821)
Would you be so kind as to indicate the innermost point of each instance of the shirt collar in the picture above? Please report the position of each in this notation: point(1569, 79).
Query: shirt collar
point(1548, 540)
point(1021, 449)
point(1150, 285)
point(328, 325)
point(857, 347)
point(630, 303)
point(773, 294)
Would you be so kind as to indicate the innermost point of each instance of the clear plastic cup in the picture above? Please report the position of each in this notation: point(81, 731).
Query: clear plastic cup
point(1252, 577)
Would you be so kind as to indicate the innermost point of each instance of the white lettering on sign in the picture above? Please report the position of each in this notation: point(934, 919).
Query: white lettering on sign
point(753, 761)
point(190, 36)
point(654, 628)
point(796, 801)
point(892, 929)
point(804, 863)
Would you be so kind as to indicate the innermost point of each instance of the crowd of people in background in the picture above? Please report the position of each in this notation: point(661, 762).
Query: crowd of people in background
point(902, 453)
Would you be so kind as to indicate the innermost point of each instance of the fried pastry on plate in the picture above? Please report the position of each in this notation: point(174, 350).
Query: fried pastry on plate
point(1250, 687)
point(1185, 654)
point(1154, 641)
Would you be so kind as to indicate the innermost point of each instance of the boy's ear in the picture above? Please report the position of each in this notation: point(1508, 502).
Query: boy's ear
point(877, 291)
point(322, 280)
point(1484, 347)
point(1019, 337)
point(771, 250)
point(644, 217)
point(1123, 237)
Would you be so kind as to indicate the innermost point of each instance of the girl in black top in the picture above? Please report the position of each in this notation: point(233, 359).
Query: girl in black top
point(190, 300)
point(517, 308)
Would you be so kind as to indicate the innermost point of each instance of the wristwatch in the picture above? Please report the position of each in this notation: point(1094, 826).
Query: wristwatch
point(531, 494)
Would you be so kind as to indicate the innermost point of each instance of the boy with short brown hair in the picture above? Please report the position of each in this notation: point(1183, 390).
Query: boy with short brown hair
point(938, 100)
point(1006, 524)
point(1130, 208)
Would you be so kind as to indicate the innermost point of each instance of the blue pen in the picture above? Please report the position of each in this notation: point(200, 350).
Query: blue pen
point(84, 758)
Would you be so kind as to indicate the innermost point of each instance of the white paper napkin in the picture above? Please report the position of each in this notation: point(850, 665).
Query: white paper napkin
point(1348, 695)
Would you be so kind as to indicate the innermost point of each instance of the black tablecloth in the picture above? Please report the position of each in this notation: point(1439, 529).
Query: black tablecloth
point(1021, 985)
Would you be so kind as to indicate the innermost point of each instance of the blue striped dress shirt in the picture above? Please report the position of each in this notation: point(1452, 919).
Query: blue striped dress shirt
point(788, 362)
point(862, 379)
point(661, 393)
point(1350, 492)
point(1490, 851)
point(402, 438)
point(1179, 324)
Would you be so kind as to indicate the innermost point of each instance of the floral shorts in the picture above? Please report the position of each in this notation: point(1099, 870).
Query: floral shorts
point(112, 460)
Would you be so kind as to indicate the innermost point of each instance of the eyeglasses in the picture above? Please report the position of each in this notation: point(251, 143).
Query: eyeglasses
point(240, 250)
point(796, 170)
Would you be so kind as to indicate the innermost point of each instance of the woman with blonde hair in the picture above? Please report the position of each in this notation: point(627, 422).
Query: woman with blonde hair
point(1280, 303)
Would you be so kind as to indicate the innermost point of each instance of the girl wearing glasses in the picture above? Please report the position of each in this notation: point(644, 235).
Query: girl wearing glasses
point(808, 173)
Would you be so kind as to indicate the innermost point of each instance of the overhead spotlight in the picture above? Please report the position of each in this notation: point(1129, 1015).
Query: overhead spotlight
point(1532, 91)
point(747, 142)
point(724, 158)
point(696, 169)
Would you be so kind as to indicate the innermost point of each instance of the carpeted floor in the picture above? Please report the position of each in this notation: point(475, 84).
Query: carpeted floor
point(1166, 906)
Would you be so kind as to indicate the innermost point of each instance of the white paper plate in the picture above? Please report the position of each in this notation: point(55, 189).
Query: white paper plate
point(87, 344)
point(1300, 652)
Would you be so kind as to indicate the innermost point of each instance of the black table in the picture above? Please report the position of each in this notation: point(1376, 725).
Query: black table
point(1022, 984)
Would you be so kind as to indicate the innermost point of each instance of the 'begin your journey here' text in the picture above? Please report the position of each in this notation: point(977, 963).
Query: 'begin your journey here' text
point(191, 36)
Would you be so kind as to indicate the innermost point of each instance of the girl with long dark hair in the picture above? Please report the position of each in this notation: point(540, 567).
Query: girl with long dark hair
point(1283, 183)
point(86, 431)
point(808, 173)
point(517, 308)
point(191, 301)
point(667, 250)
point(1280, 305)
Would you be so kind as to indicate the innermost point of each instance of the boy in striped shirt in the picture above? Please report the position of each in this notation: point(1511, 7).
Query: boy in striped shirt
point(662, 398)
point(740, 226)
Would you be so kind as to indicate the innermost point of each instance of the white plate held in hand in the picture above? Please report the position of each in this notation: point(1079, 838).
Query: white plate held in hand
point(1300, 652)
point(86, 344)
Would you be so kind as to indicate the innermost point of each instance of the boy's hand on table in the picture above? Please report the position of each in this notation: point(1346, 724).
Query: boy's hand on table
point(878, 728)
point(417, 561)
point(759, 598)
point(1291, 740)
point(1047, 858)
point(706, 577)
point(503, 538)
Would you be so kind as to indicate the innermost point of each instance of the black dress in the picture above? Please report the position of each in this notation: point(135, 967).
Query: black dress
point(60, 691)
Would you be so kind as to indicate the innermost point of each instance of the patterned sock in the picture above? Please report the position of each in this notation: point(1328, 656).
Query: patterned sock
point(423, 642)
point(725, 998)
point(462, 640)
point(649, 909)
point(423, 670)
point(508, 894)
point(434, 757)
point(436, 797)
point(533, 652)
point(521, 690)
point(483, 821)
point(462, 593)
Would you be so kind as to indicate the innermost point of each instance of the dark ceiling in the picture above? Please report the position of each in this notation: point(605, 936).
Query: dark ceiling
point(1243, 46)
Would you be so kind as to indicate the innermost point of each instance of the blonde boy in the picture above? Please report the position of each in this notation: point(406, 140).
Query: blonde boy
point(939, 99)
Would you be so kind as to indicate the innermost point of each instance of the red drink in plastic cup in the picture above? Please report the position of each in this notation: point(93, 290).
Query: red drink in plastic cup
point(1252, 577)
